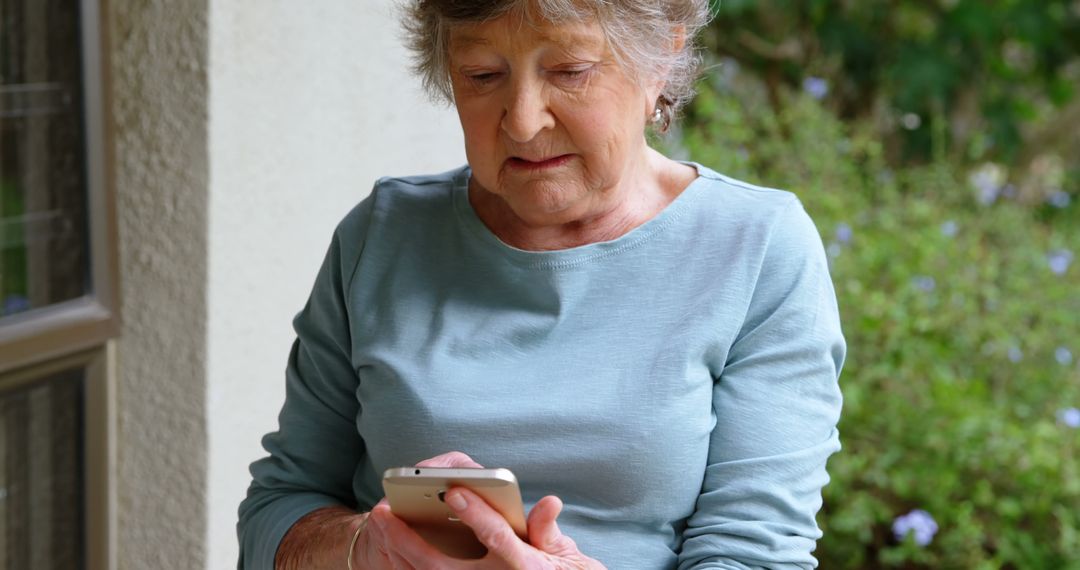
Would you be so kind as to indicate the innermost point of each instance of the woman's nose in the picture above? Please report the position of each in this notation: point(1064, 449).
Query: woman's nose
point(526, 112)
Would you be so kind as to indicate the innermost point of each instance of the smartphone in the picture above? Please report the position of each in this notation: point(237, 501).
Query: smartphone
point(416, 496)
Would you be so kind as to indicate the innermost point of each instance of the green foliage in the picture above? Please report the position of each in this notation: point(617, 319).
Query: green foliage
point(976, 79)
point(954, 318)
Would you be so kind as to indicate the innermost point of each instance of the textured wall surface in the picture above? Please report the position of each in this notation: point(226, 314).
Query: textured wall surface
point(309, 104)
point(158, 57)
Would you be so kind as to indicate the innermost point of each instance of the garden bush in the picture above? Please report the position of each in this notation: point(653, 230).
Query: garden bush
point(982, 79)
point(961, 308)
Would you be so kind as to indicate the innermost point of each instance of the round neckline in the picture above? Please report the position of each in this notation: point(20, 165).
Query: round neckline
point(573, 256)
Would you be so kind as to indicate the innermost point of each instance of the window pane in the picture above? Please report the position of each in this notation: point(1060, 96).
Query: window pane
point(44, 251)
point(41, 482)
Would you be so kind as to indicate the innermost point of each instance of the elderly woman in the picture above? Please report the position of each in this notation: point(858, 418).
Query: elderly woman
point(653, 348)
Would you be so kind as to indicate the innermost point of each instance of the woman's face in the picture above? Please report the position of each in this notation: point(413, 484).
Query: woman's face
point(553, 126)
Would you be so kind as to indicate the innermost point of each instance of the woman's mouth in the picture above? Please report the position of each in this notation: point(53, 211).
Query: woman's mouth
point(519, 163)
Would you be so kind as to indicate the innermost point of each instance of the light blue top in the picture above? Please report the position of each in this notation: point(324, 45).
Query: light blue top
point(676, 387)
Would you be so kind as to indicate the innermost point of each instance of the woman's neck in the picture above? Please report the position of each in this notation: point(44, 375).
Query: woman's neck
point(655, 186)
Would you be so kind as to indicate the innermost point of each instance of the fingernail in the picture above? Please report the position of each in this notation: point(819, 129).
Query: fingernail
point(456, 501)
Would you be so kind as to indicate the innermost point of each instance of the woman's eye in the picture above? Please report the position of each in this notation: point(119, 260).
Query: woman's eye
point(573, 75)
point(483, 78)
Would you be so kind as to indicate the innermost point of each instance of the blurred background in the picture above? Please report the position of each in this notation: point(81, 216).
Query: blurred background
point(171, 172)
point(936, 144)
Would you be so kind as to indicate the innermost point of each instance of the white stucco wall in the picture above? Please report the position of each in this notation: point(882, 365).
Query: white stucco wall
point(158, 54)
point(309, 104)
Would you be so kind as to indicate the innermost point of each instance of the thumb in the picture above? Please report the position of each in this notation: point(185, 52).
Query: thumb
point(544, 533)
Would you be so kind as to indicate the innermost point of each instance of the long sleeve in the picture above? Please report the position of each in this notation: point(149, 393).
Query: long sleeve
point(777, 403)
point(315, 452)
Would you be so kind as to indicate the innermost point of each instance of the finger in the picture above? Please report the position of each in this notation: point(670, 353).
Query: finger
point(543, 530)
point(380, 511)
point(489, 526)
point(450, 459)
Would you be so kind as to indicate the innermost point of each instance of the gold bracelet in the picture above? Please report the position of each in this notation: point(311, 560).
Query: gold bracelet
point(355, 536)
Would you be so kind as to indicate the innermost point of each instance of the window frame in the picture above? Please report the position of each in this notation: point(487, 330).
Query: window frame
point(60, 329)
point(79, 333)
point(99, 457)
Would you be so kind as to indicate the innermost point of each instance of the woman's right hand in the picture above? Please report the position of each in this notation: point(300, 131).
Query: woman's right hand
point(373, 549)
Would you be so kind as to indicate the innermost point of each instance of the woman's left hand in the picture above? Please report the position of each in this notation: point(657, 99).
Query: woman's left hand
point(547, 549)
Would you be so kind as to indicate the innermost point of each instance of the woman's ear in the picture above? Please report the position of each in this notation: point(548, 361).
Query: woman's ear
point(678, 38)
point(678, 42)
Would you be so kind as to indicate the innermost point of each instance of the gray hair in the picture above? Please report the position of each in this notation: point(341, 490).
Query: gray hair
point(640, 33)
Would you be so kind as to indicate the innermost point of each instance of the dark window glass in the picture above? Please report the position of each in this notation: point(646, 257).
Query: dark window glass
point(41, 482)
point(44, 251)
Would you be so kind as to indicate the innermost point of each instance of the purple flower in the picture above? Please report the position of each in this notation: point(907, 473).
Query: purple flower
point(816, 87)
point(1059, 199)
point(949, 228)
point(988, 181)
point(1069, 417)
point(843, 233)
point(1015, 354)
point(924, 283)
point(1063, 356)
point(834, 250)
point(918, 522)
point(1059, 260)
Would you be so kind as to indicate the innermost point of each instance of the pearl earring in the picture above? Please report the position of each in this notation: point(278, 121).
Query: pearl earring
point(657, 115)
